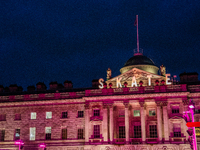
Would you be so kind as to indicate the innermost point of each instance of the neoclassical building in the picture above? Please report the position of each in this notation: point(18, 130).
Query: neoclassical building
point(137, 110)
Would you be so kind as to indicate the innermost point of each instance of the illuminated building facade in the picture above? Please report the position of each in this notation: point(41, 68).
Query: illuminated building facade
point(137, 110)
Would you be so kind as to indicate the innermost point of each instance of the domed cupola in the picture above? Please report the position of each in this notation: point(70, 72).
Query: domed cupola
point(141, 62)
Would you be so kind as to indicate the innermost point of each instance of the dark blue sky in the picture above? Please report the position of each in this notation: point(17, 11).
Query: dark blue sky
point(78, 40)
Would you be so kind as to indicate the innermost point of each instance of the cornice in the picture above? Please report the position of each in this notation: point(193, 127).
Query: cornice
point(42, 102)
point(137, 96)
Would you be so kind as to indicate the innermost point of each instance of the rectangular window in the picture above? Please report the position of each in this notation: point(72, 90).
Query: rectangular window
point(2, 135)
point(64, 133)
point(80, 114)
point(2, 117)
point(153, 131)
point(64, 114)
point(96, 112)
point(17, 116)
point(122, 132)
point(33, 115)
point(80, 133)
point(197, 130)
point(17, 134)
point(137, 131)
point(177, 130)
point(96, 131)
point(32, 133)
point(121, 113)
point(152, 112)
point(197, 111)
point(136, 113)
point(48, 133)
point(48, 115)
point(175, 110)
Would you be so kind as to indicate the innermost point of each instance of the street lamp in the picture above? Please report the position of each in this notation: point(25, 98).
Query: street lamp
point(191, 109)
point(43, 146)
point(20, 143)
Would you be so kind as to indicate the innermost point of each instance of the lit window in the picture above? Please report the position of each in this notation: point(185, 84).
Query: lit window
point(96, 112)
point(80, 114)
point(175, 110)
point(2, 135)
point(17, 134)
point(121, 113)
point(96, 131)
point(152, 112)
point(2, 117)
point(136, 113)
point(121, 131)
point(17, 116)
point(137, 131)
point(48, 115)
point(153, 131)
point(80, 133)
point(64, 133)
point(197, 129)
point(33, 115)
point(48, 133)
point(177, 130)
point(32, 133)
point(64, 115)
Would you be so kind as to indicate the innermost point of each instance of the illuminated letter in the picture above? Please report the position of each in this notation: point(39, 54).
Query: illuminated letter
point(149, 79)
point(101, 83)
point(118, 82)
point(167, 79)
point(134, 82)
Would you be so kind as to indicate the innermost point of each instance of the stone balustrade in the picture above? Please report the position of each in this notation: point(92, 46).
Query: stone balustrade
point(100, 92)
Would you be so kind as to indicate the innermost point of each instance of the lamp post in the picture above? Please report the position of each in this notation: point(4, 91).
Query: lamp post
point(42, 146)
point(20, 143)
point(191, 109)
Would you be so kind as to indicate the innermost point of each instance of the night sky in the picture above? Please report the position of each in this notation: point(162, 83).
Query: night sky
point(78, 40)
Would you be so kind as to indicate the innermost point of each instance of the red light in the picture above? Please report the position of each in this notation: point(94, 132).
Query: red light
point(193, 124)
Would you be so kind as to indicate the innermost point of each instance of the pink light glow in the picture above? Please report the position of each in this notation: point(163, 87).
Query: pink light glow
point(19, 143)
point(42, 145)
point(191, 106)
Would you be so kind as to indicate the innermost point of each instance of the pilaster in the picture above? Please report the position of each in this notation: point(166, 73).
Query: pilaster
point(87, 123)
point(105, 123)
point(126, 104)
point(111, 123)
point(143, 128)
point(159, 121)
point(166, 123)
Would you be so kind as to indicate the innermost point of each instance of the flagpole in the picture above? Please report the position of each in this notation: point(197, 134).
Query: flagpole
point(138, 50)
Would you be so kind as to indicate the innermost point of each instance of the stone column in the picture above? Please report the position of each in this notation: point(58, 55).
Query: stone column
point(143, 125)
point(87, 117)
point(105, 124)
point(111, 124)
point(159, 122)
point(166, 123)
point(126, 104)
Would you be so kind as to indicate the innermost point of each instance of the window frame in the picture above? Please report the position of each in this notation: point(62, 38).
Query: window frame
point(134, 113)
point(17, 116)
point(2, 135)
point(122, 132)
point(64, 133)
point(96, 112)
point(64, 115)
point(152, 114)
point(137, 131)
point(80, 114)
point(153, 133)
point(33, 117)
point(49, 112)
point(96, 131)
point(17, 131)
point(80, 134)
point(34, 133)
point(2, 117)
point(47, 133)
